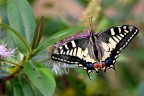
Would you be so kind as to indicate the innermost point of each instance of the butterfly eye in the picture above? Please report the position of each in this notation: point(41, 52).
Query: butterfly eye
point(96, 65)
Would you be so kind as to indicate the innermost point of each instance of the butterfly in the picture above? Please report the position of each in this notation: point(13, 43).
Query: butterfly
point(96, 51)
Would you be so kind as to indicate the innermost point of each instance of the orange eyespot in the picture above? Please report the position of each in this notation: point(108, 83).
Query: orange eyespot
point(103, 65)
point(96, 65)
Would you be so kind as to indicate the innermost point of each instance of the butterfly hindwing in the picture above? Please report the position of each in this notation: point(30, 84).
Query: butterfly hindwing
point(112, 41)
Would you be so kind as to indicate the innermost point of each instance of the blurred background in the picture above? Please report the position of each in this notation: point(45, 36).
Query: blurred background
point(128, 80)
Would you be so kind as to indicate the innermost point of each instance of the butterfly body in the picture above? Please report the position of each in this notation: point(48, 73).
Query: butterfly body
point(105, 46)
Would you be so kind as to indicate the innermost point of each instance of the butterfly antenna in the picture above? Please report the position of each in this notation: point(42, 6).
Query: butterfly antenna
point(90, 22)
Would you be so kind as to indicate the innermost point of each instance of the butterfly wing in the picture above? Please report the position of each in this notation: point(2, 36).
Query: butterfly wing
point(77, 51)
point(70, 52)
point(112, 41)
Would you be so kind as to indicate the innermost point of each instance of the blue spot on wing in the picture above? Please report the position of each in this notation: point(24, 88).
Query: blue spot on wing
point(110, 60)
point(89, 65)
point(107, 62)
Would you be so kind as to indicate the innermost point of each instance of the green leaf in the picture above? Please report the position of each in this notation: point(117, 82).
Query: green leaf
point(20, 16)
point(38, 32)
point(9, 39)
point(9, 88)
point(17, 91)
point(36, 91)
point(41, 77)
point(57, 37)
point(26, 88)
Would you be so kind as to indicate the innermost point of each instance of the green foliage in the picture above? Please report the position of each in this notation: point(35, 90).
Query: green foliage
point(54, 25)
point(20, 16)
point(36, 79)
point(26, 88)
point(17, 90)
point(38, 33)
point(21, 38)
point(41, 77)
point(21, 19)
point(40, 80)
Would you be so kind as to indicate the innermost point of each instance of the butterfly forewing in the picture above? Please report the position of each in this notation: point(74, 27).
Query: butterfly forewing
point(112, 41)
point(70, 51)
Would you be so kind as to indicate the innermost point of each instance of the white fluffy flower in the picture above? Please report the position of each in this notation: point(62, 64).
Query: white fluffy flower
point(56, 69)
point(60, 68)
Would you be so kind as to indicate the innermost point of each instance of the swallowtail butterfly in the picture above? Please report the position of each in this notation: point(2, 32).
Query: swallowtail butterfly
point(87, 50)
